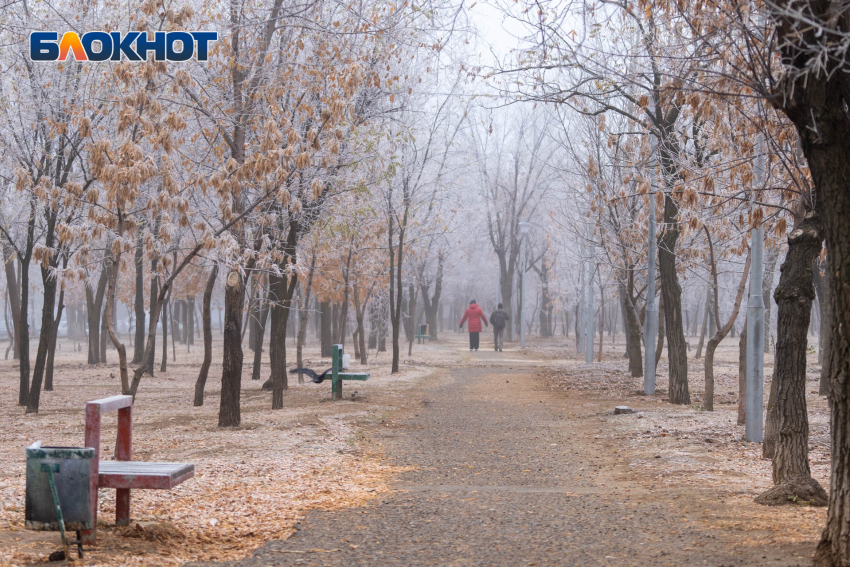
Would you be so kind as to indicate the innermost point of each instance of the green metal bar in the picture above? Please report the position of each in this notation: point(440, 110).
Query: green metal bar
point(336, 364)
point(50, 469)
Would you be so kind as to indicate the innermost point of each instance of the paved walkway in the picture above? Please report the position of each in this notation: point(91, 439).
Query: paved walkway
point(504, 475)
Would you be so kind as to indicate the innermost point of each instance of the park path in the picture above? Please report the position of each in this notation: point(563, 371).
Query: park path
point(505, 472)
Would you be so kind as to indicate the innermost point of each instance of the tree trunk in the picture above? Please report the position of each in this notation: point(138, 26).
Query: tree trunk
point(794, 296)
point(164, 364)
point(231, 368)
point(51, 347)
point(767, 292)
point(305, 317)
point(659, 346)
point(14, 293)
point(190, 320)
point(705, 318)
point(94, 306)
point(138, 260)
point(281, 290)
point(262, 313)
point(713, 342)
point(671, 292)
point(114, 268)
point(633, 334)
point(826, 328)
point(327, 335)
point(152, 330)
point(205, 366)
point(49, 284)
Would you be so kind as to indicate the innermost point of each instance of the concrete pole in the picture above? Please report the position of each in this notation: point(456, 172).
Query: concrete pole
point(589, 316)
point(755, 321)
point(581, 305)
point(650, 326)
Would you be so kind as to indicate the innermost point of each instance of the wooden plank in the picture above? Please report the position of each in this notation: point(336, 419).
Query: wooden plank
point(141, 475)
point(113, 403)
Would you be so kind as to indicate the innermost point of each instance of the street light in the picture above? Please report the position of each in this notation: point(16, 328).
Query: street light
point(524, 227)
point(754, 429)
point(650, 326)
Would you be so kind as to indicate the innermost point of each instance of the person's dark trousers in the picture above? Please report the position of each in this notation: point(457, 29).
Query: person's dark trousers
point(473, 341)
point(498, 337)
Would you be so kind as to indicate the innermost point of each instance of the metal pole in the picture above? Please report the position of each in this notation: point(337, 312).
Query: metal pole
point(581, 305)
point(589, 315)
point(650, 327)
point(755, 321)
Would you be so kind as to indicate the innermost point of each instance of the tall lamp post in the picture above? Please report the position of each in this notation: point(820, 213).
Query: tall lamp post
point(590, 314)
point(755, 321)
point(524, 227)
point(650, 326)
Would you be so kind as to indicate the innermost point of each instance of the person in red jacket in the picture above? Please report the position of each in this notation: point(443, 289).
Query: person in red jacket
point(475, 316)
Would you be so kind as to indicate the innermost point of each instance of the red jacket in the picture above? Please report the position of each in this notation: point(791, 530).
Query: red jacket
point(475, 315)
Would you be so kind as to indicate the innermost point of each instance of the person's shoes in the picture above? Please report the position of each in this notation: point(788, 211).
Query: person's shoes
point(470, 350)
point(476, 350)
point(500, 350)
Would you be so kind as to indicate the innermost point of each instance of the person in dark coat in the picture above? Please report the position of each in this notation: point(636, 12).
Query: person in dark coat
point(499, 319)
point(475, 316)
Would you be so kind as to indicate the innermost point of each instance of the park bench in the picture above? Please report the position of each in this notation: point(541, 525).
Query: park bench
point(422, 333)
point(123, 474)
point(338, 376)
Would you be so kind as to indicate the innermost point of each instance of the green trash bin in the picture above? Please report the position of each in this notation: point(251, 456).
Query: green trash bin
point(58, 496)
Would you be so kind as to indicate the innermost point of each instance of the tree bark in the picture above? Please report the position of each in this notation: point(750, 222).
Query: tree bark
point(152, 330)
point(659, 347)
point(794, 296)
point(671, 293)
point(826, 329)
point(14, 293)
point(633, 333)
point(51, 347)
point(49, 285)
point(305, 317)
point(326, 329)
point(713, 342)
point(164, 364)
point(231, 369)
point(705, 318)
point(138, 260)
point(767, 292)
point(201, 382)
point(263, 314)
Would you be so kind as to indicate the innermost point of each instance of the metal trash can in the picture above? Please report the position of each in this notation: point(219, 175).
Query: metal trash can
point(70, 469)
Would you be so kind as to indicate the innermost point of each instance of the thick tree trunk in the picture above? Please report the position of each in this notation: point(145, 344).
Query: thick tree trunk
point(201, 382)
point(138, 260)
point(671, 293)
point(794, 296)
point(231, 368)
point(49, 284)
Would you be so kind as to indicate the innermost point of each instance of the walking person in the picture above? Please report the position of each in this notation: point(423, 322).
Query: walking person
point(475, 316)
point(499, 319)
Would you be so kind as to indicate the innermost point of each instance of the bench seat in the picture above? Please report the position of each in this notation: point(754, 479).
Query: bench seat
point(143, 475)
